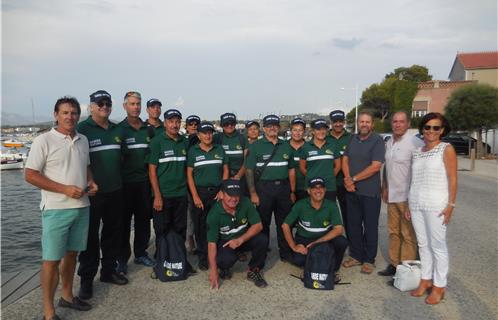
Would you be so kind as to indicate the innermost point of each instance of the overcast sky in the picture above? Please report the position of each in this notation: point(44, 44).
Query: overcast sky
point(213, 56)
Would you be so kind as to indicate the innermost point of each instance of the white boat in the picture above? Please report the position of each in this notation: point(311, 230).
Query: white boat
point(12, 159)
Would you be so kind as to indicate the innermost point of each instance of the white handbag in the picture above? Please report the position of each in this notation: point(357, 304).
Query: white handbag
point(407, 275)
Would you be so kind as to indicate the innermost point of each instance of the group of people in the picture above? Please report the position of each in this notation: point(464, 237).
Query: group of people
point(219, 190)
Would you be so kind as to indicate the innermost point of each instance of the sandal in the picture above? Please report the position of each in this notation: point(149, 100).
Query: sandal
point(351, 262)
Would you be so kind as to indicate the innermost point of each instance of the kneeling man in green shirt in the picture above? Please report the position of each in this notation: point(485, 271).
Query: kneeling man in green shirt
point(317, 220)
point(234, 225)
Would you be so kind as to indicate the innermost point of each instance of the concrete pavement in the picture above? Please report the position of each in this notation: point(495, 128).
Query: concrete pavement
point(472, 288)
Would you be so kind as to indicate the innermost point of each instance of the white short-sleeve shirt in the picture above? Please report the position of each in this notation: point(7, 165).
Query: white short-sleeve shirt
point(64, 160)
point(398, 166)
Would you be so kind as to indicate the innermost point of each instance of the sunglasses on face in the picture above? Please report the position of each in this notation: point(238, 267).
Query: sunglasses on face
point(103, 104)
point(434, 128)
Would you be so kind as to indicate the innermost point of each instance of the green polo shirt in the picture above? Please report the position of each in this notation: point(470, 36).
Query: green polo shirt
point(320, 162)
point(312, 223)
point(340, 145)
point(170, 157)
point(224, 226)
point(105, 153)
point(154, 131)
point(136, 149)
point(300, 178)
point(234, 146)
point(208, 166)
point(278, 167)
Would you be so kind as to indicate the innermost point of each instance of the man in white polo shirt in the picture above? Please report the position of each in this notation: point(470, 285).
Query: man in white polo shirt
point(58, 164)
point(395, 186)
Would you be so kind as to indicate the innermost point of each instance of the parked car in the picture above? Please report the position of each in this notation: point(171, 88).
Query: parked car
point(460, 142)
point(386, 136)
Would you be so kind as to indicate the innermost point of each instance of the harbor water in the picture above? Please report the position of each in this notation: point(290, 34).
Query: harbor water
point(21, 223)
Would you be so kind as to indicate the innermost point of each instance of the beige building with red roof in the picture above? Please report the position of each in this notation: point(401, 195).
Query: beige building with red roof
point(478, 67)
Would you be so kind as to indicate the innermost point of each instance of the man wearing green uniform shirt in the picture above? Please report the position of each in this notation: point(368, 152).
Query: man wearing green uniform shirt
point(136, 187)
point(297, 129)
point(235, 146)
point(105, 141)
point(340, 138)
point(234, 225)
point(167, 162)
point(154, 124)
point(191, 124)
point(207, 167)
point(271, 179)
point(318, 220)
point(318, 158)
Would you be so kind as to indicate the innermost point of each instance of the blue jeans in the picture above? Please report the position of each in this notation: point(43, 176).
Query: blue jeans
point(363, 226)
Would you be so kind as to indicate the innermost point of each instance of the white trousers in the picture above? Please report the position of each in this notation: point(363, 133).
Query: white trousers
point(432, 248)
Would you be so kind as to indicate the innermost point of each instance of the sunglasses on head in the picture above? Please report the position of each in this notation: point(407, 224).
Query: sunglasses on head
point(434, 128)
point(102, 104)
point(133, 94)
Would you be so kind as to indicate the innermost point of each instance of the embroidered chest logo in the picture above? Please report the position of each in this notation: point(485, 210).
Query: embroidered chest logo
point(96, 142)
point(313, 153)
point(244, 220)
point(285, 156)
point(184, 152)
point(328, 151)
point(326, 223)
point(306, 223)
point(238, 147)
point(117, 139)
point(225, 146)
point(200, 158)
point(130, 140)
point(217, 156)
point(169, 153)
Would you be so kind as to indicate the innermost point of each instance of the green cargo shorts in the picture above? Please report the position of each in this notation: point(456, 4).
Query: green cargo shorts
point(64, 230)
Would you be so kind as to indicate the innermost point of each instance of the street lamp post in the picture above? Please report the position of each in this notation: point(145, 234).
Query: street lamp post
point(356, 106)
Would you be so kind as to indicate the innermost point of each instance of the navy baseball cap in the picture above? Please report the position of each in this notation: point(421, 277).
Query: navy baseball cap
point(316, 181)
point(252, 122)
point(154, 102)
point(193, 118)
point(205, 126)
point(337, 115)
point(228, 118)
point(319, 123)
point(298, 121)
point(171, 113)
point(271, 119)
point(100, 95)
point(231, 187)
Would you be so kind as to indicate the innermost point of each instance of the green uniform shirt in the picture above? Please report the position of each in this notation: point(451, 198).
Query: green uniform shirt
point(105, 153)
point(234, 147)
point(170, 157)
point(136, 148)
point(312, 223)
point(300, 178)
point(208, 166)
point(224, 226)
point(339, 147)
point(154, 131)
point(278, 167)
point(320, 162)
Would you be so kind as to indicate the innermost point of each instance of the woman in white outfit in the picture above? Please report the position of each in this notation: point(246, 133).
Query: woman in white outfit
point(431, 202)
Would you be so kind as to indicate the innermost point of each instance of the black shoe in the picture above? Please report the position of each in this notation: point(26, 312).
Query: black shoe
point(390, 283)
point(225, 274)
point(389, 271)
point(114, 278)
point(286, 258)
point(203, 265)
point(76, 304)
point(86, 290)
point(190, 270)
point(337, 278)
point(255, 276)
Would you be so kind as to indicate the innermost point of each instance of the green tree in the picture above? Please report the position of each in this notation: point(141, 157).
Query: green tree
point(395, 92)
point(473, 107)
point(415, 73)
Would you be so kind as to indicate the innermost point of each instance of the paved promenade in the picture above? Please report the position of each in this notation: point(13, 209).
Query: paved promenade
point(472, 289)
